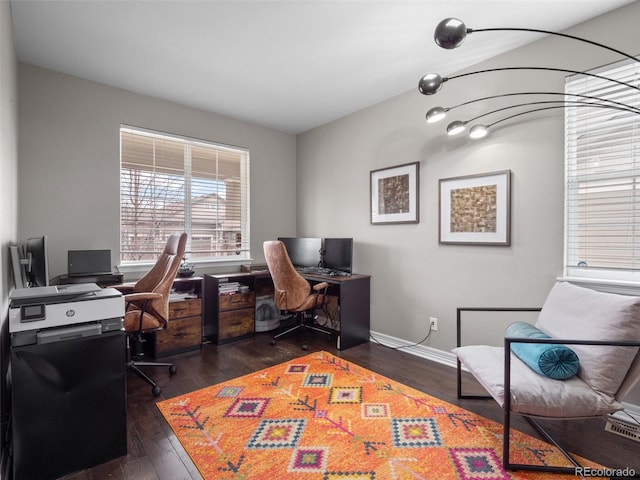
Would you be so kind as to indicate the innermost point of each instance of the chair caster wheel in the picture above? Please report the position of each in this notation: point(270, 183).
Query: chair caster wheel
point(156, 390)
point(273, 342)
point(172, 370)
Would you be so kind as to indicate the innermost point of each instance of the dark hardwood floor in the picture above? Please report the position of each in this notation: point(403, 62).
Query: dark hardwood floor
point(154, 452)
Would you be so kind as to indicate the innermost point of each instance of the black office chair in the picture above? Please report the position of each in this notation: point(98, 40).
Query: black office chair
point(292, 293)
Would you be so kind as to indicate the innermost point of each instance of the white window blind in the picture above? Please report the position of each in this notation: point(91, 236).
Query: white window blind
point(172, 184)
point(602, 191)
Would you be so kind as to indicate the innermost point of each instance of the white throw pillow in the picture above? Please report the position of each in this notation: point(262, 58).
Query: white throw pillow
point(578, 313)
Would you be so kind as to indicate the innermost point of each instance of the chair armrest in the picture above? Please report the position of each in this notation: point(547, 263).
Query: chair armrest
point(507, 354)
point(125, 288)
point(459, 312)
point(614, 343)
point(141, 296)
point(320, 286)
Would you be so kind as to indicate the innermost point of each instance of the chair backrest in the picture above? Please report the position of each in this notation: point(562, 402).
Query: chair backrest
point(290, 288)
point(632, 378)
point(161, 276)
point(574, 312)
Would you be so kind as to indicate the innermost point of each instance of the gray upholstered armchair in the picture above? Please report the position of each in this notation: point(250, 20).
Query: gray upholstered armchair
point(579, 360)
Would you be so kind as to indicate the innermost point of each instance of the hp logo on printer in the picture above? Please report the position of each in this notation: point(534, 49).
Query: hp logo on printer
point(70, 313)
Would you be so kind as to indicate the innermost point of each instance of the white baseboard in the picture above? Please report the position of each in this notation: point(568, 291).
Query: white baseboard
point(632, 409)
point(449, 359)
point(428, 353)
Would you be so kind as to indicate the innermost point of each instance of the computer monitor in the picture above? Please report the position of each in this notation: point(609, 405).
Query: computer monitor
point(338, 254)
point(88, 262)
point(18, 263)
point(303, 251)
point(38, 262)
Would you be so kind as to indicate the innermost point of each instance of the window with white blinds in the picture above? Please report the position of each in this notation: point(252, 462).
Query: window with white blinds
point(173, 184)
point(602, 191)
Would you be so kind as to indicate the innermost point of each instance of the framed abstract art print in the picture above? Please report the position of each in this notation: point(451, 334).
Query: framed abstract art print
point(475, 209)
point(395, 194)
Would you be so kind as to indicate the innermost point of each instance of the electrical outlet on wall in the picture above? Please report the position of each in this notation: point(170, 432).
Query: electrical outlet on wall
point(433, 324)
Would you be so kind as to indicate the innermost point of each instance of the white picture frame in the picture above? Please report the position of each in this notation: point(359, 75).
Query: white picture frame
point(476, 209)
point(395, 194)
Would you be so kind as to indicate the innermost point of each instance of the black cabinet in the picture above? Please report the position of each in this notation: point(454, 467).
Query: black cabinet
point(68, 405)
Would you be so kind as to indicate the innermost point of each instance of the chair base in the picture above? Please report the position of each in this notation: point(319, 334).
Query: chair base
point(135, 353)
point(302, 327)
point(506, 462)
point(155, 389)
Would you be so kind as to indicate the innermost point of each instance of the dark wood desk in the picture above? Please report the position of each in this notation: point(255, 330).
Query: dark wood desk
point(352, 293)
point(354, 303)
point(102, 280)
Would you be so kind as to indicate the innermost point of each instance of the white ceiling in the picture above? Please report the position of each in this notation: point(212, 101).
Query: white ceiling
point(289, 65)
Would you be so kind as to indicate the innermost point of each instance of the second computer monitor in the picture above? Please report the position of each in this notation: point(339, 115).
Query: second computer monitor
point(303, 251)
point(338, 254)
point(38, 268)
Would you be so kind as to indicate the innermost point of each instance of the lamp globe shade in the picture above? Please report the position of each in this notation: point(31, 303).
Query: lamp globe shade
point(430, 84)
point(456, 128)
point(450, 33)
point(436, 114)
point(478, 131)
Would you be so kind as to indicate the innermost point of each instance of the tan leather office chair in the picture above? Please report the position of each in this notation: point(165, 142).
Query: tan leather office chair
point(292, 293)
point(147, 306)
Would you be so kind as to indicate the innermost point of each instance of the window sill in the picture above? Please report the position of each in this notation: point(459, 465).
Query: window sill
point(605, 285)
point(137, 270)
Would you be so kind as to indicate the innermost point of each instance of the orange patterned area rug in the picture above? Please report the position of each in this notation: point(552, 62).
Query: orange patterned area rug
point(321, 417)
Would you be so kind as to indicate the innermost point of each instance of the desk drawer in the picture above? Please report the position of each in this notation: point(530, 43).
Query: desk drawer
point(180, 335)
point(235, 323)
point(237, 301)
point(185, 308)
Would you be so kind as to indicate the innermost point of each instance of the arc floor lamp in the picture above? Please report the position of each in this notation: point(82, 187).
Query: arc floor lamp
point(451, 33)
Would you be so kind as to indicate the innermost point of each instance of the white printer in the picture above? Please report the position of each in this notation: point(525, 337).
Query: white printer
point(62, 312)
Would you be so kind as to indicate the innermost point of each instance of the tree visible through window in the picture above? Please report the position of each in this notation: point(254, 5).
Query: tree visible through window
point(172, 184)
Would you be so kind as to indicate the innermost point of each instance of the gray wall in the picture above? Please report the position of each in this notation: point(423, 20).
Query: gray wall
point(8, 197)
point(413, 276)
point(8, 148)
point(70, 161)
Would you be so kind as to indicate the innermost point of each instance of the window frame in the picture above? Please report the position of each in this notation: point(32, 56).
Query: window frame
point(578, 176)
point(243, 255)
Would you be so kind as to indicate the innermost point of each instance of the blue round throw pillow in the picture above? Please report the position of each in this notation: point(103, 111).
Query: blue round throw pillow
point(553, 360)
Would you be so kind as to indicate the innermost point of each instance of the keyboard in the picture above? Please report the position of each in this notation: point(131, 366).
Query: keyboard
point(328, 272)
